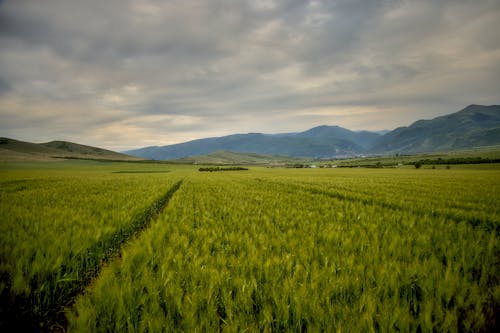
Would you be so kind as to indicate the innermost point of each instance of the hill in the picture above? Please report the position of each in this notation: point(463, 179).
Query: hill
point(474, 126)
point(232, 158)
point(15, 150)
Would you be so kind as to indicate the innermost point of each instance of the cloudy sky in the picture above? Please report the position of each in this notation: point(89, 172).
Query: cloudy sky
point(125, 74)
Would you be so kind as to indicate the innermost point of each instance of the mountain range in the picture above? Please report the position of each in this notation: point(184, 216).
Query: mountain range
point(474, 126)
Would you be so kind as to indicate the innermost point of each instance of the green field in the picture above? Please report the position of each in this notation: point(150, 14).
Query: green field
point(131, 247)
point(435, 158)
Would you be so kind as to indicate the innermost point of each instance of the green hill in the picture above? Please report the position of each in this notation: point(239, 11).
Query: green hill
point(233, 158)
point(15, 150)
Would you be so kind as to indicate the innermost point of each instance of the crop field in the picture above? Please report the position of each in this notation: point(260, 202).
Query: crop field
point(130, 247)
point(59, 224)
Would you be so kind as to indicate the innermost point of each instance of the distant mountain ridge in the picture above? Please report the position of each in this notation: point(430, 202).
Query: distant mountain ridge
point(16, 150)
point(318, 142)
point(474, 126)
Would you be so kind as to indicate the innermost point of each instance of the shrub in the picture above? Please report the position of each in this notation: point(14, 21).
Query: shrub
point(213, 169)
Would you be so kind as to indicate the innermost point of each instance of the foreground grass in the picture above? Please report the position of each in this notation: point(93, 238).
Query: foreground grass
point(59, 222)
point(310, 250)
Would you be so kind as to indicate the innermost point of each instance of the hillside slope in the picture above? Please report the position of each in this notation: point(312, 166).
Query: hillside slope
point(15, 150)
point(473, 126)
point(232, 158)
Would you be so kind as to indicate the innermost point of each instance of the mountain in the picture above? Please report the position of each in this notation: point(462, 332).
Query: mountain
point(474, 126)
point(318, 142)
point(15, 150)
point(364, 139)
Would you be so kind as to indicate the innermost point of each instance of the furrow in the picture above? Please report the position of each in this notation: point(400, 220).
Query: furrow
point(64, 286)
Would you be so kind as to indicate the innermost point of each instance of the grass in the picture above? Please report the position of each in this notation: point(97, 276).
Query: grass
point(268, 249)
point(58, 225)
point(492, 152)
point(310, 250)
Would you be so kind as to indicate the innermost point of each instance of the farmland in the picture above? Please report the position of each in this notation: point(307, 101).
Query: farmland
point(90, 246)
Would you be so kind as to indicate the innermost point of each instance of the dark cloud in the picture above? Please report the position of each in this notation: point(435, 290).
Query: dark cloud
point(130, 73)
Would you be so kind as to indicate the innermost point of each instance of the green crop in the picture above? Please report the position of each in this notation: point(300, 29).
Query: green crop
point(309, 250)
point(58, 225)
point(131, 247)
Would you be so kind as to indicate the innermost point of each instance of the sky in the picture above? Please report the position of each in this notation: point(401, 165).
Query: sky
point(122, 74)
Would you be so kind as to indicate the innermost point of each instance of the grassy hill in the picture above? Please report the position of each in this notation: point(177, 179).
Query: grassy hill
point(233, 158)
point(15, 150)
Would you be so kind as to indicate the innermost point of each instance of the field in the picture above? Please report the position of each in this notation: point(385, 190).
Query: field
point(435, 158)
point(89, 246)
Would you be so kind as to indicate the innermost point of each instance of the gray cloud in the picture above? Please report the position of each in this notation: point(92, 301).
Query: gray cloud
point(4, 87)
point(130, 73)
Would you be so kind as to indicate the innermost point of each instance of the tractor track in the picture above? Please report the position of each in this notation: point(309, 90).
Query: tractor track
point(17, 312)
